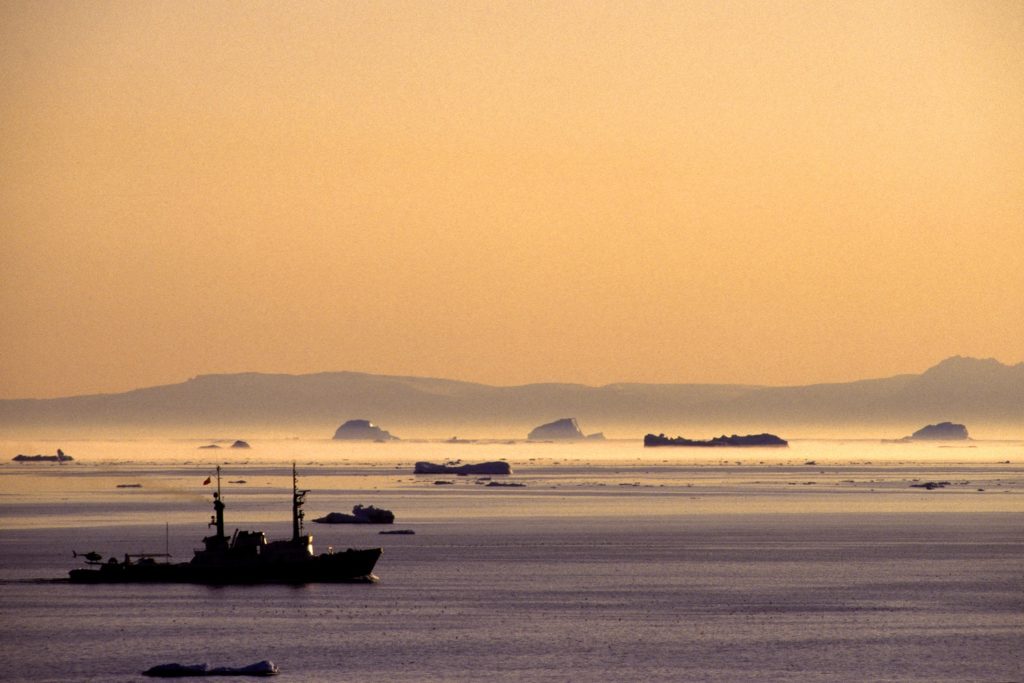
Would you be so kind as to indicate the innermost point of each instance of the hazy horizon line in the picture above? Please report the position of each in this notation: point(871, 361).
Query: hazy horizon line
point(507, 386)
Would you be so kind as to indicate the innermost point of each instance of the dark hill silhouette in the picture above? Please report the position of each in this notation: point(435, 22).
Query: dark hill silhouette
point(966, 390)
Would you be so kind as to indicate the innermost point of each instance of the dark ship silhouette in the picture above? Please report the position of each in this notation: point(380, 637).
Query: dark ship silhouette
point(244, 558)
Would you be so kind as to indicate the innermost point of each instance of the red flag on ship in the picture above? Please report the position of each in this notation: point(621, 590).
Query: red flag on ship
point(207, 481)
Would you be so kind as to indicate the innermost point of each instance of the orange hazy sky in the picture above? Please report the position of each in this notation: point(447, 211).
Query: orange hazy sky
point(508, 192)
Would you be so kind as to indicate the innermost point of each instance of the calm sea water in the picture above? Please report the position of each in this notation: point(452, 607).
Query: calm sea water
point(602, 568)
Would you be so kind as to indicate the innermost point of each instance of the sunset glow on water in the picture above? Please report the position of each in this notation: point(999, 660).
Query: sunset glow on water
point(662, 558)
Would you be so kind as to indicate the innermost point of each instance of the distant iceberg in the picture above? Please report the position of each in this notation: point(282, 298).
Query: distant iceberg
point(362, 430)
point(497, 467)
point(565, 429)
point(943, 431)
point(60, 457)
point(734, 440)
point(360, 515)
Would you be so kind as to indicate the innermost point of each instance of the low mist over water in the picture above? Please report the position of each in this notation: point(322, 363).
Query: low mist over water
point(983, 393)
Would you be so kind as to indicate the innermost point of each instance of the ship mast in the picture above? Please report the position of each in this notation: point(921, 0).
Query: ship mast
point(218, 509)
point(298, 500)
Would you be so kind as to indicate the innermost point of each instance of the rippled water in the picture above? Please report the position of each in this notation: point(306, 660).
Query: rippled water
point(605, 572)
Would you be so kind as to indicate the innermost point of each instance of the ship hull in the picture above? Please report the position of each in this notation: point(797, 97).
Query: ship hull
point(350, 566)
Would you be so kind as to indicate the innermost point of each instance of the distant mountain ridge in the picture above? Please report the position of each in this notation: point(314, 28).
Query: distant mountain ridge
point(967, 390)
